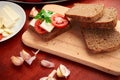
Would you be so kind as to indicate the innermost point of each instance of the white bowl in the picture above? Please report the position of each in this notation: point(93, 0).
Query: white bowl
point(20, 23)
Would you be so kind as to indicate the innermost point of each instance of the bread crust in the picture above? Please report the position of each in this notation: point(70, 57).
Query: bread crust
point(107, 21)
point(54, 33)
point(91, 13)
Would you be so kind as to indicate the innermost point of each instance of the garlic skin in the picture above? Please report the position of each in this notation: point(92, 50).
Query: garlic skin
point(30, 60)
point(50, 76)
point(47, 64)
point(44, 78)
point(47, 78)
point(63, 71)
point(35, 53)
point(25, 55)
point(17, 61)
point(33, 12)
point(52, 73)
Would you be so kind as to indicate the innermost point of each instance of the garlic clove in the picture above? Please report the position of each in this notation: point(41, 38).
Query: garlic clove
point(47, 78)
point(47, 64)
point(17, 60)
point(65, 71)
point(59, 73)
point(50, 76)
point(25, 55)
point(52, 73)
point(29, 61)
point(33, 12)
point(44, 78)
point(62, 71)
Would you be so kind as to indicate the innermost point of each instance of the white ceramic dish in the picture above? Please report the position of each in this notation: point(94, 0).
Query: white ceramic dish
point(20, 23)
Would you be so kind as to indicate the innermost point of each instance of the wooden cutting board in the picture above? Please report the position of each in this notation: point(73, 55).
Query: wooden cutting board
point(70, 45)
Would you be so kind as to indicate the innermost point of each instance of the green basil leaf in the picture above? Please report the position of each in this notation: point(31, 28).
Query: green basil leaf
point(48, 20)
point(40, 14)
point(44, 15)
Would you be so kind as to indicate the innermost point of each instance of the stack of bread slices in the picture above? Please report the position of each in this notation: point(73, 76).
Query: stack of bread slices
point(99, 26)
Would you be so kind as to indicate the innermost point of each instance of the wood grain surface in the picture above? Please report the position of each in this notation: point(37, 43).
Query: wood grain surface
point(70, 45)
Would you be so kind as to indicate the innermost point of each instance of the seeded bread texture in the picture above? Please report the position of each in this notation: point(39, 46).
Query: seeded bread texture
point(102, 40)
point(108, 20)
point(86, 12)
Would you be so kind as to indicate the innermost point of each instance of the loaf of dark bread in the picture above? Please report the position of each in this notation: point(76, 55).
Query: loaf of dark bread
point(98, 26)
point(86, 12)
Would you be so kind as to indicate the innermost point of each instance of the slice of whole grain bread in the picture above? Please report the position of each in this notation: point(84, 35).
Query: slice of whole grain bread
point(56, 31)
point(86, 12)
point(102, 40)
point(108, 20)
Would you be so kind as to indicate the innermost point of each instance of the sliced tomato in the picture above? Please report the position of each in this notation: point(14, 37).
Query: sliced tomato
point(59, 21)
point(1, 36)
point(37, 27)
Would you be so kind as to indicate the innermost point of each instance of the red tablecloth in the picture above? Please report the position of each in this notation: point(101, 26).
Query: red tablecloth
point(25, 72)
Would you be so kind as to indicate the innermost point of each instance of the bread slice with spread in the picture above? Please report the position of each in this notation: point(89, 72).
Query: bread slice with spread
point(50, 22)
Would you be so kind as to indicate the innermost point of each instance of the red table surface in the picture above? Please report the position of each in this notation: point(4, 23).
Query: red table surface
point(25, 72)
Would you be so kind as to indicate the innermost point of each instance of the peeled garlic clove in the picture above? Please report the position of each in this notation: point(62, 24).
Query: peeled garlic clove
point(33, 12)
point(47, 64)
point(29, 61)
point(59, 73)
point(62, 71)
point(17, 60)
point(25, 55)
